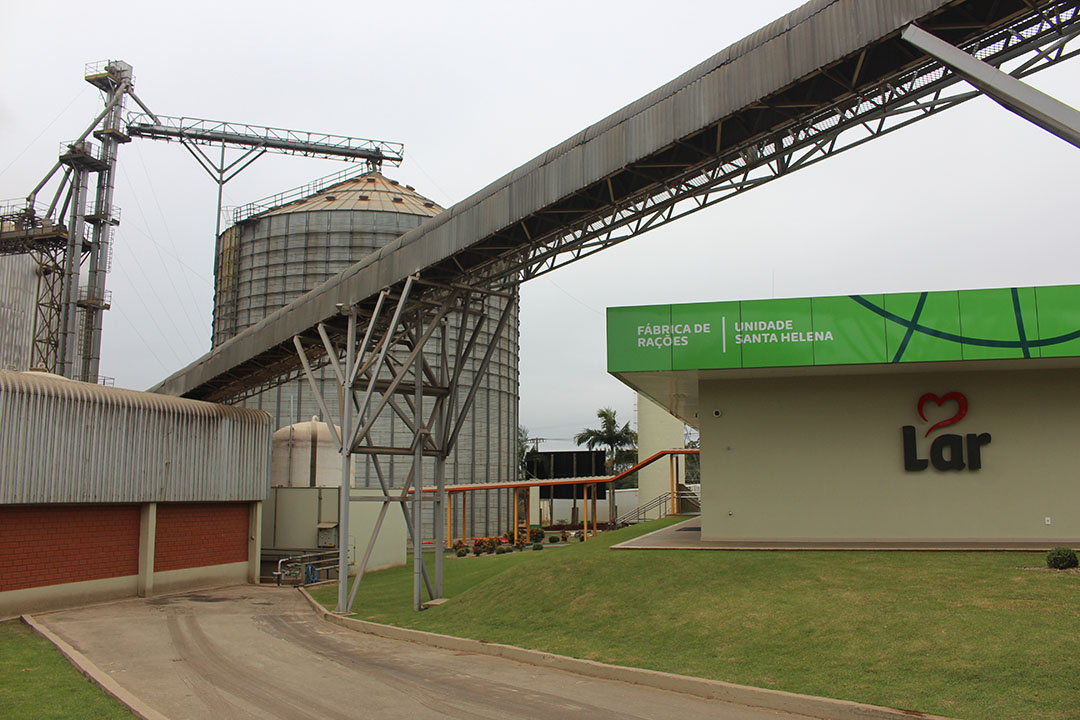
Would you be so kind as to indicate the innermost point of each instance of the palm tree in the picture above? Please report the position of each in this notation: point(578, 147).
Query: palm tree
point(609, 436)
point(523, 451)
point(613, 439)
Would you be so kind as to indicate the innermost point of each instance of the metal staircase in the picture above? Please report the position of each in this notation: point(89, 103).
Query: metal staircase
point(688, 502)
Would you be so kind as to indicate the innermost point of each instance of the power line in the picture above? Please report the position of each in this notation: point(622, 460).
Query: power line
point(45, 129)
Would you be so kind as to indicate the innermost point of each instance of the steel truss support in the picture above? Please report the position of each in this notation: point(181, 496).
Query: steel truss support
point(67, 335)
point(68, 318)
point(49, 308)
point(1029, 45)
point(411, 366)
point(254, 141)
point(1037, 107)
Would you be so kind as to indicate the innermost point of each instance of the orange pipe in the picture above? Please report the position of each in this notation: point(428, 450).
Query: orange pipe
point(594, 510)
point(671, 470)
point(515, 516)
point(585, 508)
point(568, 481)
point(676, 459)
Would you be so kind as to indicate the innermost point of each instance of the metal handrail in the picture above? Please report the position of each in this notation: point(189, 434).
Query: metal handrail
point(661, 502)
point(81, 147)
point(243, 212)
point(107, 67)
point(292, 565)
point(20, 209)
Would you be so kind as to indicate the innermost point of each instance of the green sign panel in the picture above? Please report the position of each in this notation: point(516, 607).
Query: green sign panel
point(847, 330)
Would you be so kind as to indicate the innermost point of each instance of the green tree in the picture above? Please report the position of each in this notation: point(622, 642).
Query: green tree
point(619, 444)
point(610, 437)
point(693, 462)
point(525, 448)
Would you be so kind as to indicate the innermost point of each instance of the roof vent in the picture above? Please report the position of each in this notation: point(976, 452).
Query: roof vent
point(371, 179)
point(362, 197)
point(394, 182)
point(397, 199)
point(331, 198)
point(409, 187)
point(429, 204)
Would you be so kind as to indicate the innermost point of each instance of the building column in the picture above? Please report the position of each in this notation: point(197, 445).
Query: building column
point(254, 543)
point(147, 537)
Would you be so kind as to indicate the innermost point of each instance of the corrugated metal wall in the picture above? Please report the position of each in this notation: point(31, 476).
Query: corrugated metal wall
point(69, 442)
point(18, 298)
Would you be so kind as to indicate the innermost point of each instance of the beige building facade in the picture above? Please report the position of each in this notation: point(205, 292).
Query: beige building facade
point(657, 430)
point(820, 460)
point(915, 420)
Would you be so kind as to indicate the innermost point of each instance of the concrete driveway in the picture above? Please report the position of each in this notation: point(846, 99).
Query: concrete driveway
point(261, 652)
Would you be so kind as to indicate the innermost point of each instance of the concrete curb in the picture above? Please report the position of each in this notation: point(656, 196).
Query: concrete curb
point(810, 705)
point(94, 673)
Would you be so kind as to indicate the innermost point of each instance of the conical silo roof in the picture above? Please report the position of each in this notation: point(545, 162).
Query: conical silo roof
point(370, 191)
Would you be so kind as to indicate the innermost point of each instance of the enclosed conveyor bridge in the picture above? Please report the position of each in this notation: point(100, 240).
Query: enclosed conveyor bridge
point(824, 78)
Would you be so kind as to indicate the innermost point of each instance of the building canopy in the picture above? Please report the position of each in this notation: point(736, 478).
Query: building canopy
point(663, 350)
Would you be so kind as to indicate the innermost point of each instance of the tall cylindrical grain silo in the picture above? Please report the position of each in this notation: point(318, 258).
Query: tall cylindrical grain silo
point(269, 259)
point(18, 305)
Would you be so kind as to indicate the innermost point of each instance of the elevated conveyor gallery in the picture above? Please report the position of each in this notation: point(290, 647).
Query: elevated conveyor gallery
point(826, 77)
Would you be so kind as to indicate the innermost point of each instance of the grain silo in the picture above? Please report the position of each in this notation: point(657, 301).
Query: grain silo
point(282, 248)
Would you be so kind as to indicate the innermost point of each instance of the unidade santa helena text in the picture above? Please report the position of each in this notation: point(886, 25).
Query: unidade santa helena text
point(746, 333)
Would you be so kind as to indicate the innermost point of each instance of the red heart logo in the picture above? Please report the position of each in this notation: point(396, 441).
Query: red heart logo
point(961, 408)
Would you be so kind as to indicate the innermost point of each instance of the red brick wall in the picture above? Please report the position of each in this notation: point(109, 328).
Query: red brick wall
point(195, 535)
point(52, 544)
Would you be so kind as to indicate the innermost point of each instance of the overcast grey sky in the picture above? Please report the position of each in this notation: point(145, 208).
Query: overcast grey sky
point(975, 197)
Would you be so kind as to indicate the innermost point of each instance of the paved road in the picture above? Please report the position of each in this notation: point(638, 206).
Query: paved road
point(260, 652)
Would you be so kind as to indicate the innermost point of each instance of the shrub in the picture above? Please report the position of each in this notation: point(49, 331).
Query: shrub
point(461, 552)
point(553, 539)
point(502, 550)
point(1061, 558)
point(536, 535)
point(459, 544)
point(538, 546)
point(564, 535)
point(581, 538)
point(477, 547)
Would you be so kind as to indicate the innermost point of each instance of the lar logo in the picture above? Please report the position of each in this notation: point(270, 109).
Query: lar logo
point(947, 451)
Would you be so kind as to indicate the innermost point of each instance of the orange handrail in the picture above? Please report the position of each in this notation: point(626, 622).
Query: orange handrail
point(538, 483)
point(565, 481)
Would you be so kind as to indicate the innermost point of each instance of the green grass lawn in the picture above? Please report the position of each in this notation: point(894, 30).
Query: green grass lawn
point(972, 635)
point(37, 681)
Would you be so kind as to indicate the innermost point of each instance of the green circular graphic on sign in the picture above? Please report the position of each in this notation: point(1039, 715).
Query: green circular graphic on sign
point(1017, 330)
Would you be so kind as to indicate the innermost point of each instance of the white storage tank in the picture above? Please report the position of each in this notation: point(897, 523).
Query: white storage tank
point(305, 455)
point(301, 513)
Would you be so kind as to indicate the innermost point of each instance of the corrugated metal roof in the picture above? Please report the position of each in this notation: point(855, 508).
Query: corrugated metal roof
point(370, 191)
point(63, 441)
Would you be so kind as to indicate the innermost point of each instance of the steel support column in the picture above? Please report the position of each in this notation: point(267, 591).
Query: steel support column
point(344, 503)
point(1033, 105)
point(70, 285)
point(418, 473)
